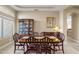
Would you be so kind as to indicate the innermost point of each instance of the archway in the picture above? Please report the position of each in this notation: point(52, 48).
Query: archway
point(73, 26)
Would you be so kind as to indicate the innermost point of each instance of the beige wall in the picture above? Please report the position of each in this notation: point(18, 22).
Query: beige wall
point(40, 19)
point(61, 17)
point(63, 23)
point(74, 26)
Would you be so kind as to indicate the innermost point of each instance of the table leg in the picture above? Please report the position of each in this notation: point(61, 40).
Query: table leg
point(53, 49)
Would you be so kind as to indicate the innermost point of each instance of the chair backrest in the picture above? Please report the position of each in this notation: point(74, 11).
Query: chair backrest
point(62, 36)
point(16, 37)
point(56, 34)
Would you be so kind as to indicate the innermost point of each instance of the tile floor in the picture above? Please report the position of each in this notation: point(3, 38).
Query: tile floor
point(70, 47)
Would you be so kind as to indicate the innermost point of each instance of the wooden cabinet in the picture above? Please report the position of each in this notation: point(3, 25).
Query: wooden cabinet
point(26, 26)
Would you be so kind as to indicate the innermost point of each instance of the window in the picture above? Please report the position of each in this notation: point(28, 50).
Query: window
point(6, 27)
point(0, 27)
point(69, 22)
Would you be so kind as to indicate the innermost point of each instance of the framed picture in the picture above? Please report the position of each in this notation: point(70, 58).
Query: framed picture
point(50, 22)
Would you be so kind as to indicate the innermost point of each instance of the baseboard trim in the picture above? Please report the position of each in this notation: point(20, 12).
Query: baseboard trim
point(6, 45)
point(74, 40)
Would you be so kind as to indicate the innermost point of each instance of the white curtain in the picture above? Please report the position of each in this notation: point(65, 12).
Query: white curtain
point(8, 28)
point(0, 27)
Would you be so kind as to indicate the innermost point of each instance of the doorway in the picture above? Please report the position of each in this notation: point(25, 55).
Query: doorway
point(69, 26)
point(73, 26)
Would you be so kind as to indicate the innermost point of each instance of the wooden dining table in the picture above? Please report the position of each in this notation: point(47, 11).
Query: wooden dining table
point(39, 39)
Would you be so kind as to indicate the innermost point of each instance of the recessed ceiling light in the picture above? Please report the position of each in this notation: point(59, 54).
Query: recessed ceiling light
point(36, 10)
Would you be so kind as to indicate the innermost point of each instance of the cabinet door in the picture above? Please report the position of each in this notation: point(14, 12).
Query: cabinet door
point(26, 26)
point(31, 27)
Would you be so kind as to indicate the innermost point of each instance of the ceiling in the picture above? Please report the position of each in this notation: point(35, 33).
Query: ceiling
point(39, 7)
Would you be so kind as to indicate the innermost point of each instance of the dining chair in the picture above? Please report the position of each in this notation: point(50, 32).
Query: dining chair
point(38, 47)
point(44, 46)
point(32, 47)
point(16, 37)
point(59, 45)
